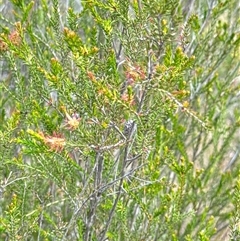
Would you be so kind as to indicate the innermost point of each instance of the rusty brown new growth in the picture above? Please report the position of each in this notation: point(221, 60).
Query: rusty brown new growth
point(15, 38)
point(3, 46)
point(55, 142)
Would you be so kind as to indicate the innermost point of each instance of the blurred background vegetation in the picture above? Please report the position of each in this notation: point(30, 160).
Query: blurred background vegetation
point(119, 120)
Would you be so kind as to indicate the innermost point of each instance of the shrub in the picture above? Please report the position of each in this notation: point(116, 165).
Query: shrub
point(119, 120)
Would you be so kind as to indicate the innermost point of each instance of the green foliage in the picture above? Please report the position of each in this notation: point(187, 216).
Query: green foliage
point(118, 120)
point(235, 231)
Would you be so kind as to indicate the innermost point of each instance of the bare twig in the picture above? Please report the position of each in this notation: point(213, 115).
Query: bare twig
point(183, 108)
